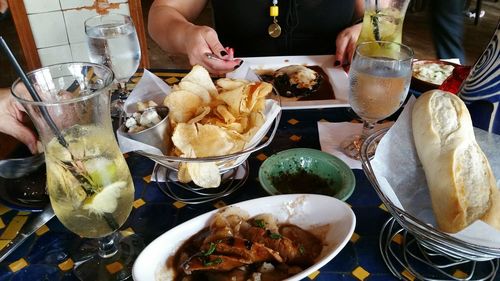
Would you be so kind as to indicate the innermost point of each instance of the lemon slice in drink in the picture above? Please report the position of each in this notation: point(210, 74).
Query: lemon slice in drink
point(106, 200)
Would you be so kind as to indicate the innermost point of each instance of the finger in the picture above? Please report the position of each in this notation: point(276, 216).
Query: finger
point(215, 45)
point(230, 53)
point(340, 53)
point(22, 133)
point(350, 50)
point(221, 66)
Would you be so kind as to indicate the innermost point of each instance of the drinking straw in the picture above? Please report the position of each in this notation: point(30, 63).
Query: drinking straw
point(33, 93)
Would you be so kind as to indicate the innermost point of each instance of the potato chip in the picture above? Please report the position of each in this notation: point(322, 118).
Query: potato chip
point(222, 111)
point(197, 90)
point(182, 105)
point(204, 174)
point(183, 135)
point(200, 76)
point(253, 93)
point(228, 84)
point(183, 173)
point(233, 99)
point(200, 114)
point(212, 140)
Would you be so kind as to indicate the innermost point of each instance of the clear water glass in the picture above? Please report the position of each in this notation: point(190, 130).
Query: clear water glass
point(379, 79)
point(112, 41)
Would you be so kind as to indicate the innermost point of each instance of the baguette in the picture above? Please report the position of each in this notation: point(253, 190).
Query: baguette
point(461, 184)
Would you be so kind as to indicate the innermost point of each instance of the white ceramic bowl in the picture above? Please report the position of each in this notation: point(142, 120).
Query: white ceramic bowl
point(309, 211)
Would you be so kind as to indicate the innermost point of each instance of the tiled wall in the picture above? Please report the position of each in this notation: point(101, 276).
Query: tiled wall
point(58, 28)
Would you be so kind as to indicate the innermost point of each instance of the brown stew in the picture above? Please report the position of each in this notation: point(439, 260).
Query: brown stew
point(233, 248)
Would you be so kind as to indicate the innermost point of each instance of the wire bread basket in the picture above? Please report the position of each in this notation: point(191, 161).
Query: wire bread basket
point(430, 240)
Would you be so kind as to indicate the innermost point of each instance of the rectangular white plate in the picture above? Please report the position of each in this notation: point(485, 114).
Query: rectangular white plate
point(336, 76)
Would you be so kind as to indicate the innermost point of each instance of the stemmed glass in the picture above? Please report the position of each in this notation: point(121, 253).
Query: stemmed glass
point(379, 80)
point(88, 181)
point(112, 41)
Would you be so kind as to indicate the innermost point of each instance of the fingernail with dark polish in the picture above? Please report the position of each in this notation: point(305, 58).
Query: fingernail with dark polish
point(236, 66)
point(223, 53)
point(241, 62)
point(337, 63)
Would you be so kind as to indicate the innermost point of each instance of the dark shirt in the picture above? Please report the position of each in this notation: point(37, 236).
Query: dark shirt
point(309, 27)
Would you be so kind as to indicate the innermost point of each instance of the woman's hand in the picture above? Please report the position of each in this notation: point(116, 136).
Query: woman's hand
point(203, 40)
point(346, 44)
point(13, 120)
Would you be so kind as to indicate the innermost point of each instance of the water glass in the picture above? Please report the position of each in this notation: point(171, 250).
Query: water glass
point(379, 79)
point(112, 41)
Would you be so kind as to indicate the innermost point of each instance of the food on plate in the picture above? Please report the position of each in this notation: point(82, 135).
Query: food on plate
point(432, 72)
point(237, 247)
point(299, 81)
point(461, 184)
point(210, 119)
point(145, 117)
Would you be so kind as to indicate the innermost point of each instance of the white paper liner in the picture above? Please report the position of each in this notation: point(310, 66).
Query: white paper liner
point(151, 87)
point(401, 177)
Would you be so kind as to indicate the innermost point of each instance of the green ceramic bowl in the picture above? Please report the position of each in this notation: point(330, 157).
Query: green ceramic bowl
point(305, 170)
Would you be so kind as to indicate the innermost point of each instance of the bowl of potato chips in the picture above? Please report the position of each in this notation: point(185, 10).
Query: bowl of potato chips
point(215, 126)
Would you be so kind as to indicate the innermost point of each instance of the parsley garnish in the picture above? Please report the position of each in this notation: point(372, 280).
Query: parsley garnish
point(260, 223)
point(273, 235)
point(302, 250)
point(218, 260)
point(210, 250)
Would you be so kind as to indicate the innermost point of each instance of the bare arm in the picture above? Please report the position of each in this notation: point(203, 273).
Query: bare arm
point(170, 26)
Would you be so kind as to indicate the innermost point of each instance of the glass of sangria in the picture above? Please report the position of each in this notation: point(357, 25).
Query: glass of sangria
point(88, 181)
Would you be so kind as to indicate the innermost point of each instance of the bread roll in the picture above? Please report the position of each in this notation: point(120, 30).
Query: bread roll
point(461, 184)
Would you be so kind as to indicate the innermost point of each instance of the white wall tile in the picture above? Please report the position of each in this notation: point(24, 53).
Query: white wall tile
point(39, 6)
point(55, 55)
point(75, 20)
point(71, 4)
point(79, 51)
point(123, 9)
point(48, 29)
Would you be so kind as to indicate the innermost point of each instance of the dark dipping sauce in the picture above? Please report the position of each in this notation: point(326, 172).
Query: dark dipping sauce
point(302, 181)
point(323, 92)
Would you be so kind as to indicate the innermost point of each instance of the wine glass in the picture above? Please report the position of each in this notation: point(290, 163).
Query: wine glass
point(379, 80)
point(88, 181)
point(112, 41)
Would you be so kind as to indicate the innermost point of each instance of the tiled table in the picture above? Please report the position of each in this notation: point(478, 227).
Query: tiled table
point(48, 255)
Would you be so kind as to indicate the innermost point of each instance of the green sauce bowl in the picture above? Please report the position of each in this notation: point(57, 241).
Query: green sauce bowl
point(305, 170)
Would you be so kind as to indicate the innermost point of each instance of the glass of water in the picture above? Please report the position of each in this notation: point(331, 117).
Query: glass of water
point(379, 79)
point(112, 41)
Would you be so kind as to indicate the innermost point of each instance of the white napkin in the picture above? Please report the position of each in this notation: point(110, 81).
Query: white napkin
point(331, 135)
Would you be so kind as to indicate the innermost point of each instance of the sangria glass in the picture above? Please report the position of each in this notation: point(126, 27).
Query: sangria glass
point(383, 20)
point(112, 40)
point(88, 180)
point(379, 80)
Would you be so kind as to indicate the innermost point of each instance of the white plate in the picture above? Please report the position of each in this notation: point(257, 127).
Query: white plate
point(312, 212)
point(336, 75)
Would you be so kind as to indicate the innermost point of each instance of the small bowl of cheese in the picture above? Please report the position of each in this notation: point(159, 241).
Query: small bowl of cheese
point(430, 74)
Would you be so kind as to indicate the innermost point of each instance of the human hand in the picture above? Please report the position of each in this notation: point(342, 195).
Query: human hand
point(13, 120)
point(202, 41)
point(346, 44)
